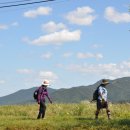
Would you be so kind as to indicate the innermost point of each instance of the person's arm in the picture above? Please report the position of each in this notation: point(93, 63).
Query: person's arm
point(48, 97)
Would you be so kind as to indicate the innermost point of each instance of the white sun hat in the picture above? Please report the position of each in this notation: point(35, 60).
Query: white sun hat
point(45, 82)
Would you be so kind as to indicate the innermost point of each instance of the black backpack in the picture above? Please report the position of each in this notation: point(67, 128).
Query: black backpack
point(95, 94)
point(35, 94)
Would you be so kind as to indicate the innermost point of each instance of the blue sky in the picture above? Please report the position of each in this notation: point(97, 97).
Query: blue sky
point(68, 42)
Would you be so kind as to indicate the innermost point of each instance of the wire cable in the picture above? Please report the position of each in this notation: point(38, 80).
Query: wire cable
point(18, 1)
point(13, 5)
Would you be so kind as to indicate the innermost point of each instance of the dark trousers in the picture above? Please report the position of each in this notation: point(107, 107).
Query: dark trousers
point(42, 110)
point(101, 105)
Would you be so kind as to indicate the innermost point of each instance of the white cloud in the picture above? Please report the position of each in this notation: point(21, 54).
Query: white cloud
point(110, 70)
point(24, 71)
point(49, 75)
point(81, 16)
point(126, 64)
point(53, 27)
point(89, 55)
point(36, 77)
point(3, 26)
point(114, 16)
point(2, 81)
point(37, 12)
point(47, 55)
point(56, 38)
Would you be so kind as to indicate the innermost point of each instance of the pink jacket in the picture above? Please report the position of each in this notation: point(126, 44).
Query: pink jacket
point(42, 93)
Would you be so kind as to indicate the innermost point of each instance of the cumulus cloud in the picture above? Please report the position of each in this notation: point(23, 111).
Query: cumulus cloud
point(36, 77)
point(37, 12)
point(111, 70)
point(47, 55)
point(89, 55)
point(56, 38)
point(24, 71)
point(81, 16)
point(114, 16)
point(53, 27)
point(48, 75)
point(3, 26)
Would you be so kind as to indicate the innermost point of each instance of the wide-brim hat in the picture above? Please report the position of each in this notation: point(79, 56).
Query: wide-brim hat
point(104, 81)
point(45, 82)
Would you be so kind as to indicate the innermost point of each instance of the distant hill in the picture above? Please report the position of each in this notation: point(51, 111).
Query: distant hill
point(23, 96)
point(118, 91)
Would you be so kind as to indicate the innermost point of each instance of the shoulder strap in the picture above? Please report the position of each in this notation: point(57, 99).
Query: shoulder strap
point(39, 89)
point(98, 86)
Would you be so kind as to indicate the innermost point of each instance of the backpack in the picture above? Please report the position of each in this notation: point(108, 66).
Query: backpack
point(95, 94)
point(35, 94)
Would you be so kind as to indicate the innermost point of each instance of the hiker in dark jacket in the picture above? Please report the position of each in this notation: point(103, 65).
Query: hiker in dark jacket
point(42, 93)
point(102, 99)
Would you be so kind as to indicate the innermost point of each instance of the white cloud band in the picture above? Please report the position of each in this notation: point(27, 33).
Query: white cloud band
point(37, 12)
point(81, 16)
point(56, 38)
point(114, 16)
point(110, 70)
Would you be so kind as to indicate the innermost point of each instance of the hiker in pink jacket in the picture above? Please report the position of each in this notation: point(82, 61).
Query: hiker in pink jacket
point(42, 93)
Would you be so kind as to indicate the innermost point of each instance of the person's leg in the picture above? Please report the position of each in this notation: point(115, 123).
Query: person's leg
point(108, 111)
point(96, 113)
point(41, 110)
point(39, 114)
point(98, 109)
point(44, 110)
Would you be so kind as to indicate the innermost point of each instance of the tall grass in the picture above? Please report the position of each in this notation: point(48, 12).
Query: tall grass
point(64, 117)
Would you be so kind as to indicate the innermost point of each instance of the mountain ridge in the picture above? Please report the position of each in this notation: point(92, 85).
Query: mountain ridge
point(118, 91)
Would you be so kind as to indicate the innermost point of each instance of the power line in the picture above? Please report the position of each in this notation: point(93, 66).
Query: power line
point(15, 1)
point(11, 9)
point(13, 5)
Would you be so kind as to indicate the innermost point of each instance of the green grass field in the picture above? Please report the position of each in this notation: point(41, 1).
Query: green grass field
point(64, 117)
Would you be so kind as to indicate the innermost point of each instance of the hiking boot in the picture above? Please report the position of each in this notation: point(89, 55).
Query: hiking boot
point(38, 117)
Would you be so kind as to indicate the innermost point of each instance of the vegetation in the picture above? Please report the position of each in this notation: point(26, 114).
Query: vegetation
point(64, 117)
